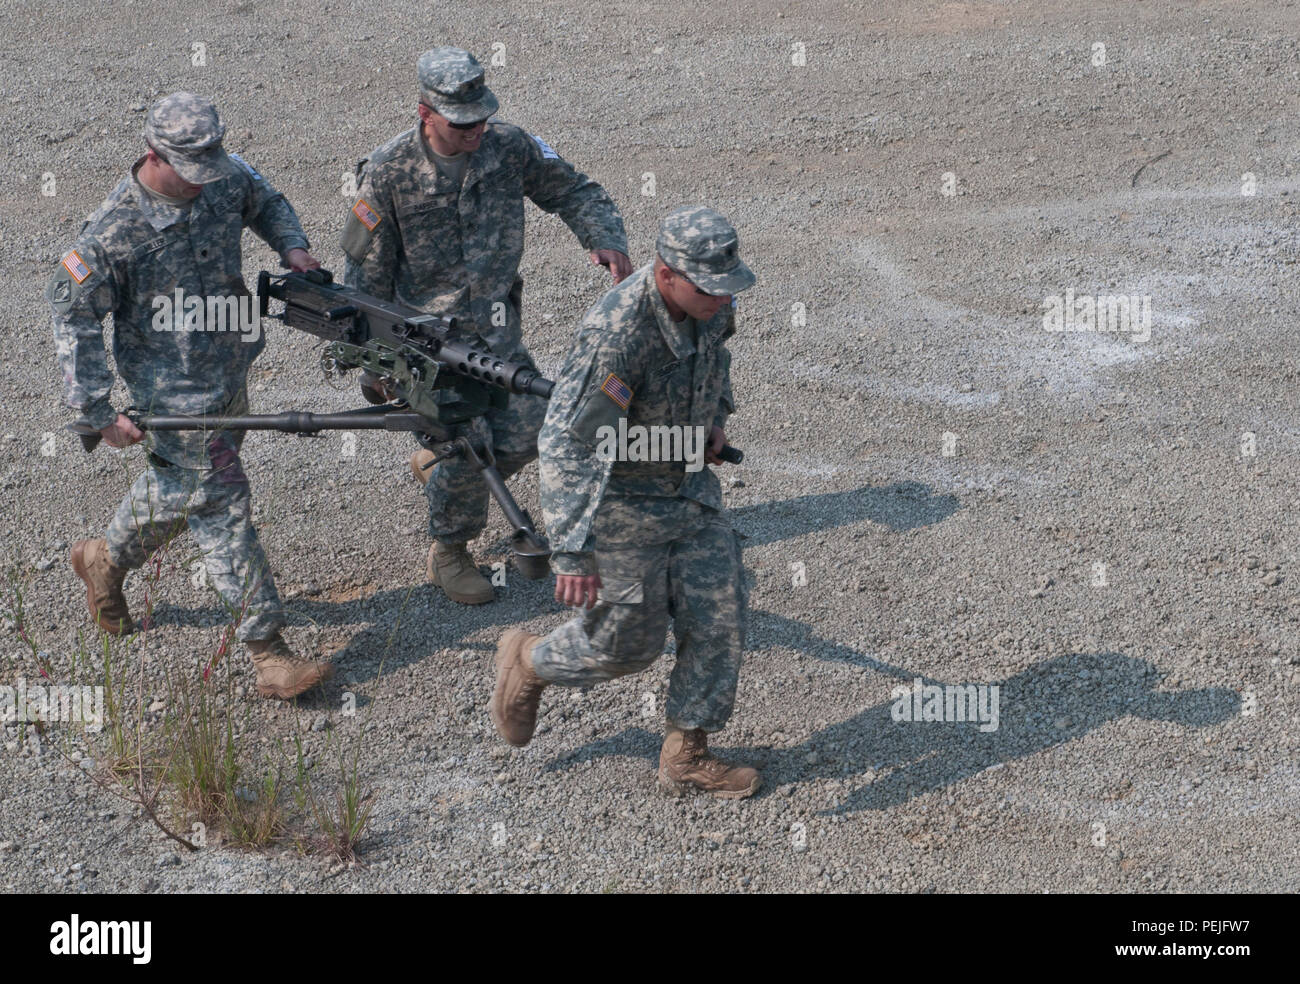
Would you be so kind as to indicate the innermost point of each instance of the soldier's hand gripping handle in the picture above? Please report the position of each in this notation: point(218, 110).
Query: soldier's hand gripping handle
point(121, 433)
point(718, 450)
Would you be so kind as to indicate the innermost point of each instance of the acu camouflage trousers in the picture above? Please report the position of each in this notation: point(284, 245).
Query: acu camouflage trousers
point(699, 582)
point(217, 504)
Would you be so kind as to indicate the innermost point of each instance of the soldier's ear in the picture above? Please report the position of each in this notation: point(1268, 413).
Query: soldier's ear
point(663, 273)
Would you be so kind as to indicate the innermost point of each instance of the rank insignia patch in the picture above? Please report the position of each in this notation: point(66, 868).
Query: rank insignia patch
point(366, 215)
point(76, 266)
point(617, 390)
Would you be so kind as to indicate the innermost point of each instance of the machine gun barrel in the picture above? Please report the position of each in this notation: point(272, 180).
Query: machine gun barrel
point(315, 304)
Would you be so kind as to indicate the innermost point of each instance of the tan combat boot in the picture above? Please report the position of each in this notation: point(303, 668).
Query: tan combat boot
point(685, 764)
point(451, 568)
point(104, 595)
point(518, 690)
point(282, 674)
point(419, 465)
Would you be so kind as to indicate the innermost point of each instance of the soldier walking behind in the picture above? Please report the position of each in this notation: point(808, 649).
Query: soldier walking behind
point(439, 224)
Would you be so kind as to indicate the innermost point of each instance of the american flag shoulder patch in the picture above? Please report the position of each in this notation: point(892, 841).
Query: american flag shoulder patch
point(617, 390)
point(366, 215)
point(76, 266)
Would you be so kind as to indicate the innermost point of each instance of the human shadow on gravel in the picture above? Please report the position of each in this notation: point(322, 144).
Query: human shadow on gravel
point(629, 743)
point(398, 626)
point(1038, 709)
point(901, 506)
point(1046, 705)
point(429, 621)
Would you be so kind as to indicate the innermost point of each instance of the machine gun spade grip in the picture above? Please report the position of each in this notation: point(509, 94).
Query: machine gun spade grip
point(90, 437)
point(731, 455)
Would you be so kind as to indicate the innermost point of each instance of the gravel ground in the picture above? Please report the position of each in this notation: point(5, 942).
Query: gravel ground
point(1100, 526)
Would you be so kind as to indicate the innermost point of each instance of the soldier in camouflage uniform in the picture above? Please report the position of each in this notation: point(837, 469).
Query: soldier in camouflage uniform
point(439, 224)
point(642, 540)
point(168, 233)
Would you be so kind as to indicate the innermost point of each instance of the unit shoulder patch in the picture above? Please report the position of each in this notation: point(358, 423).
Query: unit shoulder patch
point(246, 166)
point(547, 150)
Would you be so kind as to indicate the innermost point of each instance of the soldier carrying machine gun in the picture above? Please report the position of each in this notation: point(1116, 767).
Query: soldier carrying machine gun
point(443, 376)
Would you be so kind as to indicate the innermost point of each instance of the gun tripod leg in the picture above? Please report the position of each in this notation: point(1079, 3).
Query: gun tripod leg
point(532, 552)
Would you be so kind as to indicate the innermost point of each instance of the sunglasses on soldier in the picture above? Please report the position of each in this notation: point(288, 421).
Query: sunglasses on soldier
point(454, 126)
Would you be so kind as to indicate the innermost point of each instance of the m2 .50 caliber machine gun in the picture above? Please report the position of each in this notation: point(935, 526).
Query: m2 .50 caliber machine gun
point(443, 377)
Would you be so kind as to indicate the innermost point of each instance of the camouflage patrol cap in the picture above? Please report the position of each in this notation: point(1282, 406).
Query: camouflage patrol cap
point(451, 82)
point(186, 130)
point(701, 244)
